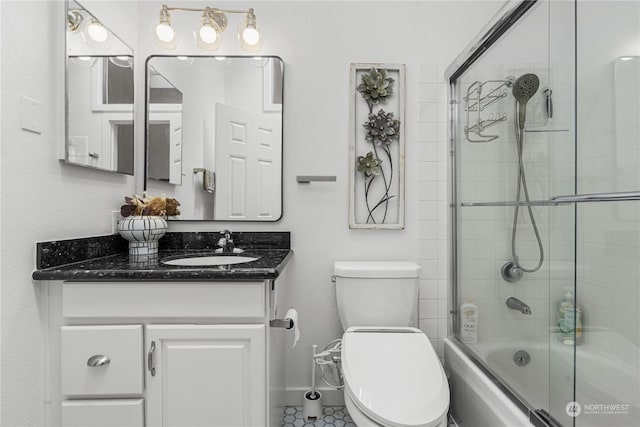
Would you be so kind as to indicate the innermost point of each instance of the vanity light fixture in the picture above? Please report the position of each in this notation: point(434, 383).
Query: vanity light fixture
point(74, 19)
point(92, 30)
point(209, 35)
point(165, 37)
point(213, 23)
point(250, 39)
point(96, 31)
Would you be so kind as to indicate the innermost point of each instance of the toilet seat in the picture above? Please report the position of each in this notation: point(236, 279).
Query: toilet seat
point(394, 376)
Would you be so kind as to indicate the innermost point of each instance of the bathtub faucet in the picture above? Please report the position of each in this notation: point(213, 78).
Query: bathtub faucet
point(516, 304)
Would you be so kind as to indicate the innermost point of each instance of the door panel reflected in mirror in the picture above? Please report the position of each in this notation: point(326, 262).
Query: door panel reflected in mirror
point(99, 110)
point(214, 136)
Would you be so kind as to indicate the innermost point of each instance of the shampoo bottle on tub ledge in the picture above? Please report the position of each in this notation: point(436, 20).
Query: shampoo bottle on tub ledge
point(469, 322)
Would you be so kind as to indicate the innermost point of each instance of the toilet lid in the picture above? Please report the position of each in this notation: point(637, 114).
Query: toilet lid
point(394, 376)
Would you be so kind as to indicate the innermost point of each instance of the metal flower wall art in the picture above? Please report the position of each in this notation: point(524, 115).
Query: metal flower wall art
point(377, 147)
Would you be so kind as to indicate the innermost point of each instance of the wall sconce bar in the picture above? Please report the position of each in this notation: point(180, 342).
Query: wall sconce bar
point(212, 24)
point(307, 179)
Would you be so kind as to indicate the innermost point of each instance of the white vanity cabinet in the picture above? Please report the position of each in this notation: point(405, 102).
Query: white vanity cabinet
point(206, 375)
point(165, 353)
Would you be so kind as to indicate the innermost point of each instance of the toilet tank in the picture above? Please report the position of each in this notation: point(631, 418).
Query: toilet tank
point(377, 293)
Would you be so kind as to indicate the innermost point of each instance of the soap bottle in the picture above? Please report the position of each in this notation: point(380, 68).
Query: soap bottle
point(569, 320)
point(469, 322)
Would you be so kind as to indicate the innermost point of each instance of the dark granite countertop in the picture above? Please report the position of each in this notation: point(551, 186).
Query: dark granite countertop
point(105, 258)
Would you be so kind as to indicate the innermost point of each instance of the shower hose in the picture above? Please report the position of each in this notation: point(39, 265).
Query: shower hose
point(522, 188)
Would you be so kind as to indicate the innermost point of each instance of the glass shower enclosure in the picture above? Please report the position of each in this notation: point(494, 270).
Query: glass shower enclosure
point(545, 142)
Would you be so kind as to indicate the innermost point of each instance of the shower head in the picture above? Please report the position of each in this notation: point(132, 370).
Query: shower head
point(523, 90)
point(525, 87)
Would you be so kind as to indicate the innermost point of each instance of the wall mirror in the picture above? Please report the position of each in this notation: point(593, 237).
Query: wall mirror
point(99, 95)
point(214, 135)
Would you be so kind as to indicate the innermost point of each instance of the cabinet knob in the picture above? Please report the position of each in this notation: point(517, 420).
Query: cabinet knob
point(98, 360)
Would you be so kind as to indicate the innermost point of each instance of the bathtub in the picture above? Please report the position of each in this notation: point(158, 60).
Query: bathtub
point(476, 401)
point(607, 388)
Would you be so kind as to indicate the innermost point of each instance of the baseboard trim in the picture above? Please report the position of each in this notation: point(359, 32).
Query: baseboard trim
point(294, 396)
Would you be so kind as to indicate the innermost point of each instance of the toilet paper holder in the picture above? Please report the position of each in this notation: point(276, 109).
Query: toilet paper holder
point(281, 323)
point(290, 322)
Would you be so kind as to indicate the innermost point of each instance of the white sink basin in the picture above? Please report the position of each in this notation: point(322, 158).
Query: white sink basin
point(205, 261)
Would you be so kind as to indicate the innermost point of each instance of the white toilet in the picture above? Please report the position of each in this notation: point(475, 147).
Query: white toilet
point(392, 375)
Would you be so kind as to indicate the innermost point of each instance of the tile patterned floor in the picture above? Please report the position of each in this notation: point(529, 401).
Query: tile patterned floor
point(334, 416)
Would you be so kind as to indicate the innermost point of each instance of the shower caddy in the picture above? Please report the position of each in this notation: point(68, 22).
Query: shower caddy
point(475, 102)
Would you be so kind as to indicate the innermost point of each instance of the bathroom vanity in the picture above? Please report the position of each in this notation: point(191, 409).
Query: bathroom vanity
point(140, 343)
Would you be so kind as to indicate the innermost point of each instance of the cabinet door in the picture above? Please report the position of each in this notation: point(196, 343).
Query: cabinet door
point(103, 413)
point(121, 371)
point(206, 375)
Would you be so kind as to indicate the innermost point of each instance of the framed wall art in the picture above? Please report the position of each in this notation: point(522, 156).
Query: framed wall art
point(376, 146)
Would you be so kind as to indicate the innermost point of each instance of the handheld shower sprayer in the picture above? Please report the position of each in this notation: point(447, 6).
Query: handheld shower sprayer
point(523, 90)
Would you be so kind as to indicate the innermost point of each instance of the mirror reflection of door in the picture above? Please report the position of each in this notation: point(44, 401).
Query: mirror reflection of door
point(248, 165)
point(99, 96)
point(100, 114)
point(164, 127)
point(227, 147)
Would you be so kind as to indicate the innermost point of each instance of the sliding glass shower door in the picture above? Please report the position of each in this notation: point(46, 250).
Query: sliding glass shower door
point(546, 208)
point(607, 361)
point(514, 151)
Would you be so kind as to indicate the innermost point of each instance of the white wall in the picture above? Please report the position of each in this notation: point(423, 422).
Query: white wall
point(42, 199)
point(317, 41)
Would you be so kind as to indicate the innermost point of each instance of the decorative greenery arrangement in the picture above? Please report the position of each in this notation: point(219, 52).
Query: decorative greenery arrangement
point(147, 205)
point(381, 130)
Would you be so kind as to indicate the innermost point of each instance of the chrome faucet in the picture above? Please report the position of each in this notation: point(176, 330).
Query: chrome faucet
point(516, 304)
point(225, 244)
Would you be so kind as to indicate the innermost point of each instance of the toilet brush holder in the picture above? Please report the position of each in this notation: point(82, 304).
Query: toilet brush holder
point(312, 406)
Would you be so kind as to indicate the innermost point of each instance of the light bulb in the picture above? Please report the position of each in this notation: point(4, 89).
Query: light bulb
point(164, 32)
point(121, 61)
point(83, 61)
point(208, 34)
point(250, 36)
point(97, 32)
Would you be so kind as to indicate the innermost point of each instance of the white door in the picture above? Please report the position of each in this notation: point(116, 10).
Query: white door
point(206, 375)
point(248, 165)
point(171, 155)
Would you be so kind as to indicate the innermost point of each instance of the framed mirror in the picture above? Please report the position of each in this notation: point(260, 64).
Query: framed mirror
point(99, 95)
point(214, 135)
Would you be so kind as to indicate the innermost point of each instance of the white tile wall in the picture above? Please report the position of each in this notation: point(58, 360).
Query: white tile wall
point(608, 154)
point(433, 212)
